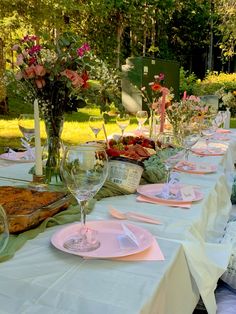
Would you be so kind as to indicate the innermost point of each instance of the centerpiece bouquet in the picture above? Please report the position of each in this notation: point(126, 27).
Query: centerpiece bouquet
point(59, 73)
point(188, 109)
point(156, 96)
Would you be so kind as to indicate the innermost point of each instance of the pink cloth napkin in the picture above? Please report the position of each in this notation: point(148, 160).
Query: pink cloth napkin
point(153, 253)
point(142, 198)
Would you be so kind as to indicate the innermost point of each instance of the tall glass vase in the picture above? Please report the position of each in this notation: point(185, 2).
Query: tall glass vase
point(53, 149)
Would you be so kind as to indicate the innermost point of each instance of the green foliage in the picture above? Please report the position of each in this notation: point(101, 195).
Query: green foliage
point(213, 82)
point(187, 82)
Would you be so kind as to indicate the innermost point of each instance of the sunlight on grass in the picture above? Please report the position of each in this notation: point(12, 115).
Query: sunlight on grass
point(74, 132)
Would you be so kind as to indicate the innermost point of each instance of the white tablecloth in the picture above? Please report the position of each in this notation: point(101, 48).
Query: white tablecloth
point(41, 279)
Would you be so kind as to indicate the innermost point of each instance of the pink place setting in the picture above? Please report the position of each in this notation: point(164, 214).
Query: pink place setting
point(176, 195)
point(212, 151)
point(118, 240)
point(195, 167)
point(223, 131)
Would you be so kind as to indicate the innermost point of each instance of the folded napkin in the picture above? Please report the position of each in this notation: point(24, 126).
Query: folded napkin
point(142, 198)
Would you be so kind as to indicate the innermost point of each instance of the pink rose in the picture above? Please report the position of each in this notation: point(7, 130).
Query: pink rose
point(39, 70)
point(29, 72)
point(75, 78)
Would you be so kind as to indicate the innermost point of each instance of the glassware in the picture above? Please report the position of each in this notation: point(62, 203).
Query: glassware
point(96, 124)
point(123, 120)
point(4, 231)
point(190, 136)
point(26, 126)
point(84, 170)
point(141, 116)
point(169, 140)
point(208, 128)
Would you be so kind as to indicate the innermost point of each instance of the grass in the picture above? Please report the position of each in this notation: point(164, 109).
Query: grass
point(75, 130)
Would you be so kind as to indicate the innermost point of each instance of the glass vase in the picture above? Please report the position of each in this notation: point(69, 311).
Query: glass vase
point(53, 149)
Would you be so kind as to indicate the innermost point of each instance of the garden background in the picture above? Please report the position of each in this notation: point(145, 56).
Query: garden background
point(199, 34)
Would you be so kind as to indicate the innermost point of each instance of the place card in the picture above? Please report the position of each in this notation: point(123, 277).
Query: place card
point(187, 193)
point(127, 240)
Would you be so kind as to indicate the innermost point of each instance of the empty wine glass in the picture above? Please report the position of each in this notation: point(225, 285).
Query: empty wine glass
point(96, 124)
point(26, 126)
point(123, 121)
point(169, 140)
point(4, 231)
point(208, 128)
point(190, 136)
point(141, 116)
point(84, 169)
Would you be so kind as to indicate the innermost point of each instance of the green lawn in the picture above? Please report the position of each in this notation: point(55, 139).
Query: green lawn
point(76, 129)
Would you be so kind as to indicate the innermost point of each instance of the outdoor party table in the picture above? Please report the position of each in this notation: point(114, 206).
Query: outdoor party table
point(40, 278)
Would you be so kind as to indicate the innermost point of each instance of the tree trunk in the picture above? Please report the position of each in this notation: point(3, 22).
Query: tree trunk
point(210, 53)
point(3, 93)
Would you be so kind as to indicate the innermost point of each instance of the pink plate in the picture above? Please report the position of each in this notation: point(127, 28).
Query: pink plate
point(195, 167)
point(18, 157)
point(213, 151)
point(152, 191)
point(108, 232)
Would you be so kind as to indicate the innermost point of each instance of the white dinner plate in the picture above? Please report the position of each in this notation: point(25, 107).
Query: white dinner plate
point(108, 233)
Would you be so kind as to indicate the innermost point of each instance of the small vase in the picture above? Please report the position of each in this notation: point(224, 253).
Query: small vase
point(152, 125)
point(53, 149)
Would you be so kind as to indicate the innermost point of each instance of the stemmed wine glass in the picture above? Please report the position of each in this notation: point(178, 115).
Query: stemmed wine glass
point(84, 169)
point(96, 124)
point(142, 117)
point(26, 126)
point(190, 136)
point(169, 140)
point(208, 128)
point(123, 120)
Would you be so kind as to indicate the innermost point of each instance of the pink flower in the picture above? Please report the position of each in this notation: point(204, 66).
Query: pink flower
point(19, 75)
point(34, 49)
point(40, 83)
point(75, 78)
point(161, 76)
point(15, 47)
point(29, 38)
point(194, 98)
point(39, 70)
point(29, 72)
point(80, 51)
point(20, 59)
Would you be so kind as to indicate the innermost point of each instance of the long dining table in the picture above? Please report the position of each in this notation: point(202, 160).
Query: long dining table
point(42, 279)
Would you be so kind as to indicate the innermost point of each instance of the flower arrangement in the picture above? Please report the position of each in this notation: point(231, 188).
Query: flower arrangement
point(55, 73)
point(153, 95)
point(188, 109)
point(63, 74)
point(227, 97)
point(158, 98)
